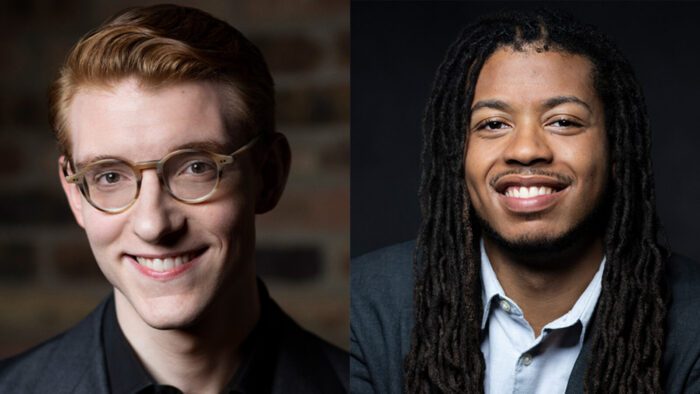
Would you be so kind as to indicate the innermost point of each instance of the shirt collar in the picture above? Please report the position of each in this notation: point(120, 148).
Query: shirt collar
point(582, 311)
point(255, 374)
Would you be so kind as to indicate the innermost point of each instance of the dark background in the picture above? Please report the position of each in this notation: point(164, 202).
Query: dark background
point(397, 47)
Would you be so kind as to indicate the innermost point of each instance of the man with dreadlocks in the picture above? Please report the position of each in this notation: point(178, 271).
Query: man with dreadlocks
point(540, 266)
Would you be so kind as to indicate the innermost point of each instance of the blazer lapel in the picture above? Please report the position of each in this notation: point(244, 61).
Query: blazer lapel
point(578, 374)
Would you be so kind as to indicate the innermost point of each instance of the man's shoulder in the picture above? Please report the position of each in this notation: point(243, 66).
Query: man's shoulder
point(384, 275)
point(71, 362)
point(306, 361)
point(682, 349)
point(684, 281)
point(381, 317)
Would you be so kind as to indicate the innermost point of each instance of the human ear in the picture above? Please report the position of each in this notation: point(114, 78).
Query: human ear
point(75, 200)
point(274, 171)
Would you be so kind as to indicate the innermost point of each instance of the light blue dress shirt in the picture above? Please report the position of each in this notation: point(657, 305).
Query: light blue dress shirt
point(516, 361)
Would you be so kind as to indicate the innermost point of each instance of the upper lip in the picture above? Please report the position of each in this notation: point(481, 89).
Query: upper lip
point(166, 255)
point(502, 183)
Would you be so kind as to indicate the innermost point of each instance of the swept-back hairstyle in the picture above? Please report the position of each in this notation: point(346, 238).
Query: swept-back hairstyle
point(628, 327)
point(165, 44)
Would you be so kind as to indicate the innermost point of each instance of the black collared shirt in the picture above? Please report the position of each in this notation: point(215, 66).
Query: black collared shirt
point(126, 375)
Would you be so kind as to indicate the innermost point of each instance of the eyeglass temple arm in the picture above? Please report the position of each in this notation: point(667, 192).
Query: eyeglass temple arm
point(224, 159)
point(69, 178)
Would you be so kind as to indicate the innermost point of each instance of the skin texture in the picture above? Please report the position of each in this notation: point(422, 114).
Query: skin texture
point(186, 328)
point(537, 120)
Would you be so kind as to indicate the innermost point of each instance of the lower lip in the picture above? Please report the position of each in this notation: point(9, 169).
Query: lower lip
point(165, 275)
point(531, 204)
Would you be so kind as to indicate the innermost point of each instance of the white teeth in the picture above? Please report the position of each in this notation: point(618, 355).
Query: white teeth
point(164, 264)
point(528, 192)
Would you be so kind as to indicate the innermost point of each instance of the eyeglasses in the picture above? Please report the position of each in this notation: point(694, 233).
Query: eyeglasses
point(188, 175)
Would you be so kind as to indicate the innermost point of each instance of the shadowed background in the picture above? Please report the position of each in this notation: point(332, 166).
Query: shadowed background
point(397, 48)
point(48, 277)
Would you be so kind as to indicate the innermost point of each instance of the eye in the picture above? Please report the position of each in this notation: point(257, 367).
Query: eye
point(110, 177)
point(565, 123)
point(489, 126)
point(492, 125)
point(199, 167)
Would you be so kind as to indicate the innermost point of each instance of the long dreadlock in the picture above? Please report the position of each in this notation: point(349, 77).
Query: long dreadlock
point(628, 334)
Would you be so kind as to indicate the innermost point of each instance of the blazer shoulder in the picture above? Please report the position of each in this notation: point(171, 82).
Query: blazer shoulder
point(684, 281)
point(682, 350)
point(383, 275)
point(381, 318)
point(66, 363)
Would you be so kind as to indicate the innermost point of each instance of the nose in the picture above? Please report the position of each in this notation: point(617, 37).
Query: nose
point(528, 145)
point(155, 218)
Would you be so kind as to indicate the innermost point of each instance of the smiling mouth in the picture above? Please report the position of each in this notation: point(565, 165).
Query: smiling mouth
point(528, 191)
point(528, 194)
point(167, 263)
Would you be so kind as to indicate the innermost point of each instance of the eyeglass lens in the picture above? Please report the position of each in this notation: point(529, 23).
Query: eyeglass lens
point(188, 175)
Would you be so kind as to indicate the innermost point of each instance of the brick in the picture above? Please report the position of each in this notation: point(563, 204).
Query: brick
point(34, 207)
point(17, 10)
point(309, 210)
point(4, 115)
point(285, 10)
point(64, 14)
point(17, 262)
point(14, 59)
point(322, 312)
point(342, 49)
point(288, 53)
point(74, 260)
point(314, 105)
point(33, 313)
point(10, 159)
point(29, 111)
point(292, 263)
point(336, 156)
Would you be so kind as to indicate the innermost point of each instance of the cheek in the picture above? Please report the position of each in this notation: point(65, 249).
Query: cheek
point(475, 169)
point(232, 220)
point(102, 229)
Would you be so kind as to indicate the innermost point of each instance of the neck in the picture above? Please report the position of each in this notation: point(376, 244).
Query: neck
point(545, 287)
point(200, 358)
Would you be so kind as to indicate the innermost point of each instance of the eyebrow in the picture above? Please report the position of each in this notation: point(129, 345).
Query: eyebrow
point(494, 104)
point(550, 103)
point(208, 145)
point(558, 100)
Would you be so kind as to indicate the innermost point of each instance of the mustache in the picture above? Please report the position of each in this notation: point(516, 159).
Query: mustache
point(531, 171)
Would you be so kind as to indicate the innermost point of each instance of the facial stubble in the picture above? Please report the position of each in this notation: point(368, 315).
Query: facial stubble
point(542, 247)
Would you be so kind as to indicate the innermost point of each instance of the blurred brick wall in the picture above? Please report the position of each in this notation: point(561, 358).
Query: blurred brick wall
point(48, 278)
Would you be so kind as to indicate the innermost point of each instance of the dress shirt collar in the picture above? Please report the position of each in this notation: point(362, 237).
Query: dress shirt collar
point(582, 310)
point(126, 374)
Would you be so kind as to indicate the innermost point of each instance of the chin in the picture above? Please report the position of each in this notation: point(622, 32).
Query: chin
point(543, 242)
point(167, 313)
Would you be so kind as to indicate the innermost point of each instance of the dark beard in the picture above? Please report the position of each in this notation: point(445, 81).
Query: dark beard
point(545, 249)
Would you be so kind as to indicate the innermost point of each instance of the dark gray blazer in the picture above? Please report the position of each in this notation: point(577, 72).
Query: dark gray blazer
point(381, 318)
point(74, 361)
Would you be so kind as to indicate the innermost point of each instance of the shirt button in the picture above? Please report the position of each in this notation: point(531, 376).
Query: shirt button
point(505, 305)
point(527, 359)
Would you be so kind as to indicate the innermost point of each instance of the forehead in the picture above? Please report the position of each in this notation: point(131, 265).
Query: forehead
point(528, 75)
point(136, 122)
